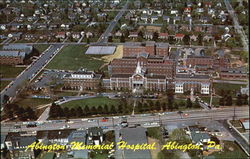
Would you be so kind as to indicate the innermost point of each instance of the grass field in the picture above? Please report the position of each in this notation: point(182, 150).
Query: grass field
point(32, 102)
point(215, 101)
point(10, 71)
point(226, 86)
point(231, 150)
point(3, 84)
point(41, 48)
point(155, 133)
point(91, 102)
point(72, 58)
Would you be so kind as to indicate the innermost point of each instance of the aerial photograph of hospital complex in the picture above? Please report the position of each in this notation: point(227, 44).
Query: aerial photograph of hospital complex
point(124, 79)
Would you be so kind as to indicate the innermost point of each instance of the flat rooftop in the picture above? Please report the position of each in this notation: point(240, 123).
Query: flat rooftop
point(101, 50)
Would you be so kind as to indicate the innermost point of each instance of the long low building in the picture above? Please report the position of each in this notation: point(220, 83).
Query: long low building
point(11, 57)
point(82, 79)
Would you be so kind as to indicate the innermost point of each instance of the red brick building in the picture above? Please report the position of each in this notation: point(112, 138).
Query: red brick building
point(150, 47)
point(11, 57)
point(152, 65)
point(81, 80)
point(234, 73)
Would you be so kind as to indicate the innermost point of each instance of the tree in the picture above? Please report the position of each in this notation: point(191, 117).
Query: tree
point(245, 99)
point(196, 103)
point(106, 109)
point(110, 39)
point(155, 36)
point(6, 98)
point(164, 106)
point(186, 40)
point(229, 100)
point(200, 39)
point(66, 112)
point(73, 112)
point(222, 101)
point(139, 107)
point(113, 110)
point(88, 41)
point(157, 106)
point(239, 100)
point(170, 105)
point(122, 39)
point(176, 106)
point(189, 103)
point(79, 112)
point(86, 110)
point(100, 109)
point(93, 110)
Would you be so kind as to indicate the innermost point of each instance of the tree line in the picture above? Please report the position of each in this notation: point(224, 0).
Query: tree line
point(14, 111)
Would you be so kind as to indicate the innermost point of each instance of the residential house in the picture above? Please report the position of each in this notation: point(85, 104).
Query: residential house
point(61, 35)
point(174, 12)
point(135, 136)
point(30, 36)
point(187, 10)
point(76, 35)
point(144, 18)
point(166, 18)
point(153, 18)
point(118, 33)
point(94, 136)
point(148, 35)
point(198, 28)
point(198, 135)
point(163, 35)
point(54, 136)
point(176, 18)
point(89, 34)
point(133, 35)
point(15, 36)
point(17, 142)
point(179, 37)
point(207, 38)
point(193, 37)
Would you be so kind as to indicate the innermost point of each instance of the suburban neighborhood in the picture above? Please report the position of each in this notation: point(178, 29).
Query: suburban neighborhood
point(124, 79)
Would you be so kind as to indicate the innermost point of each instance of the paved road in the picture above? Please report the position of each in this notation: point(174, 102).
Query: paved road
point(104, 37)
point(237, 136)
point(31, 71)
point(237, 26)
point(168, 117)
point(230, 82)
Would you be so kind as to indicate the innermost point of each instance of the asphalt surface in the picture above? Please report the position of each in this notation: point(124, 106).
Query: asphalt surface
point(238, 138)
point(31, 71)
point(143, 119)
point(237, 26)
point(104, 37)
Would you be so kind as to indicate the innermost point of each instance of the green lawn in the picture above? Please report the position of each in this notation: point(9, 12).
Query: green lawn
point(3, 84)
point(236, 123)
point(72, 58)
point(231, 150)
point(61, 94)
point(40, 47)
point(215, 101)
point(7, 71)
point(91, 102)
point(155, 133)
point(32, 102)
point(226, 86)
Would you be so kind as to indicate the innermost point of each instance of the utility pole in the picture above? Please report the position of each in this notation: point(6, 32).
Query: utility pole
point(234, 114)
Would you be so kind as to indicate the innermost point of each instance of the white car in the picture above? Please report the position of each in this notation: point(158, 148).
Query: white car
point(84, 119)
point(116, 117)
